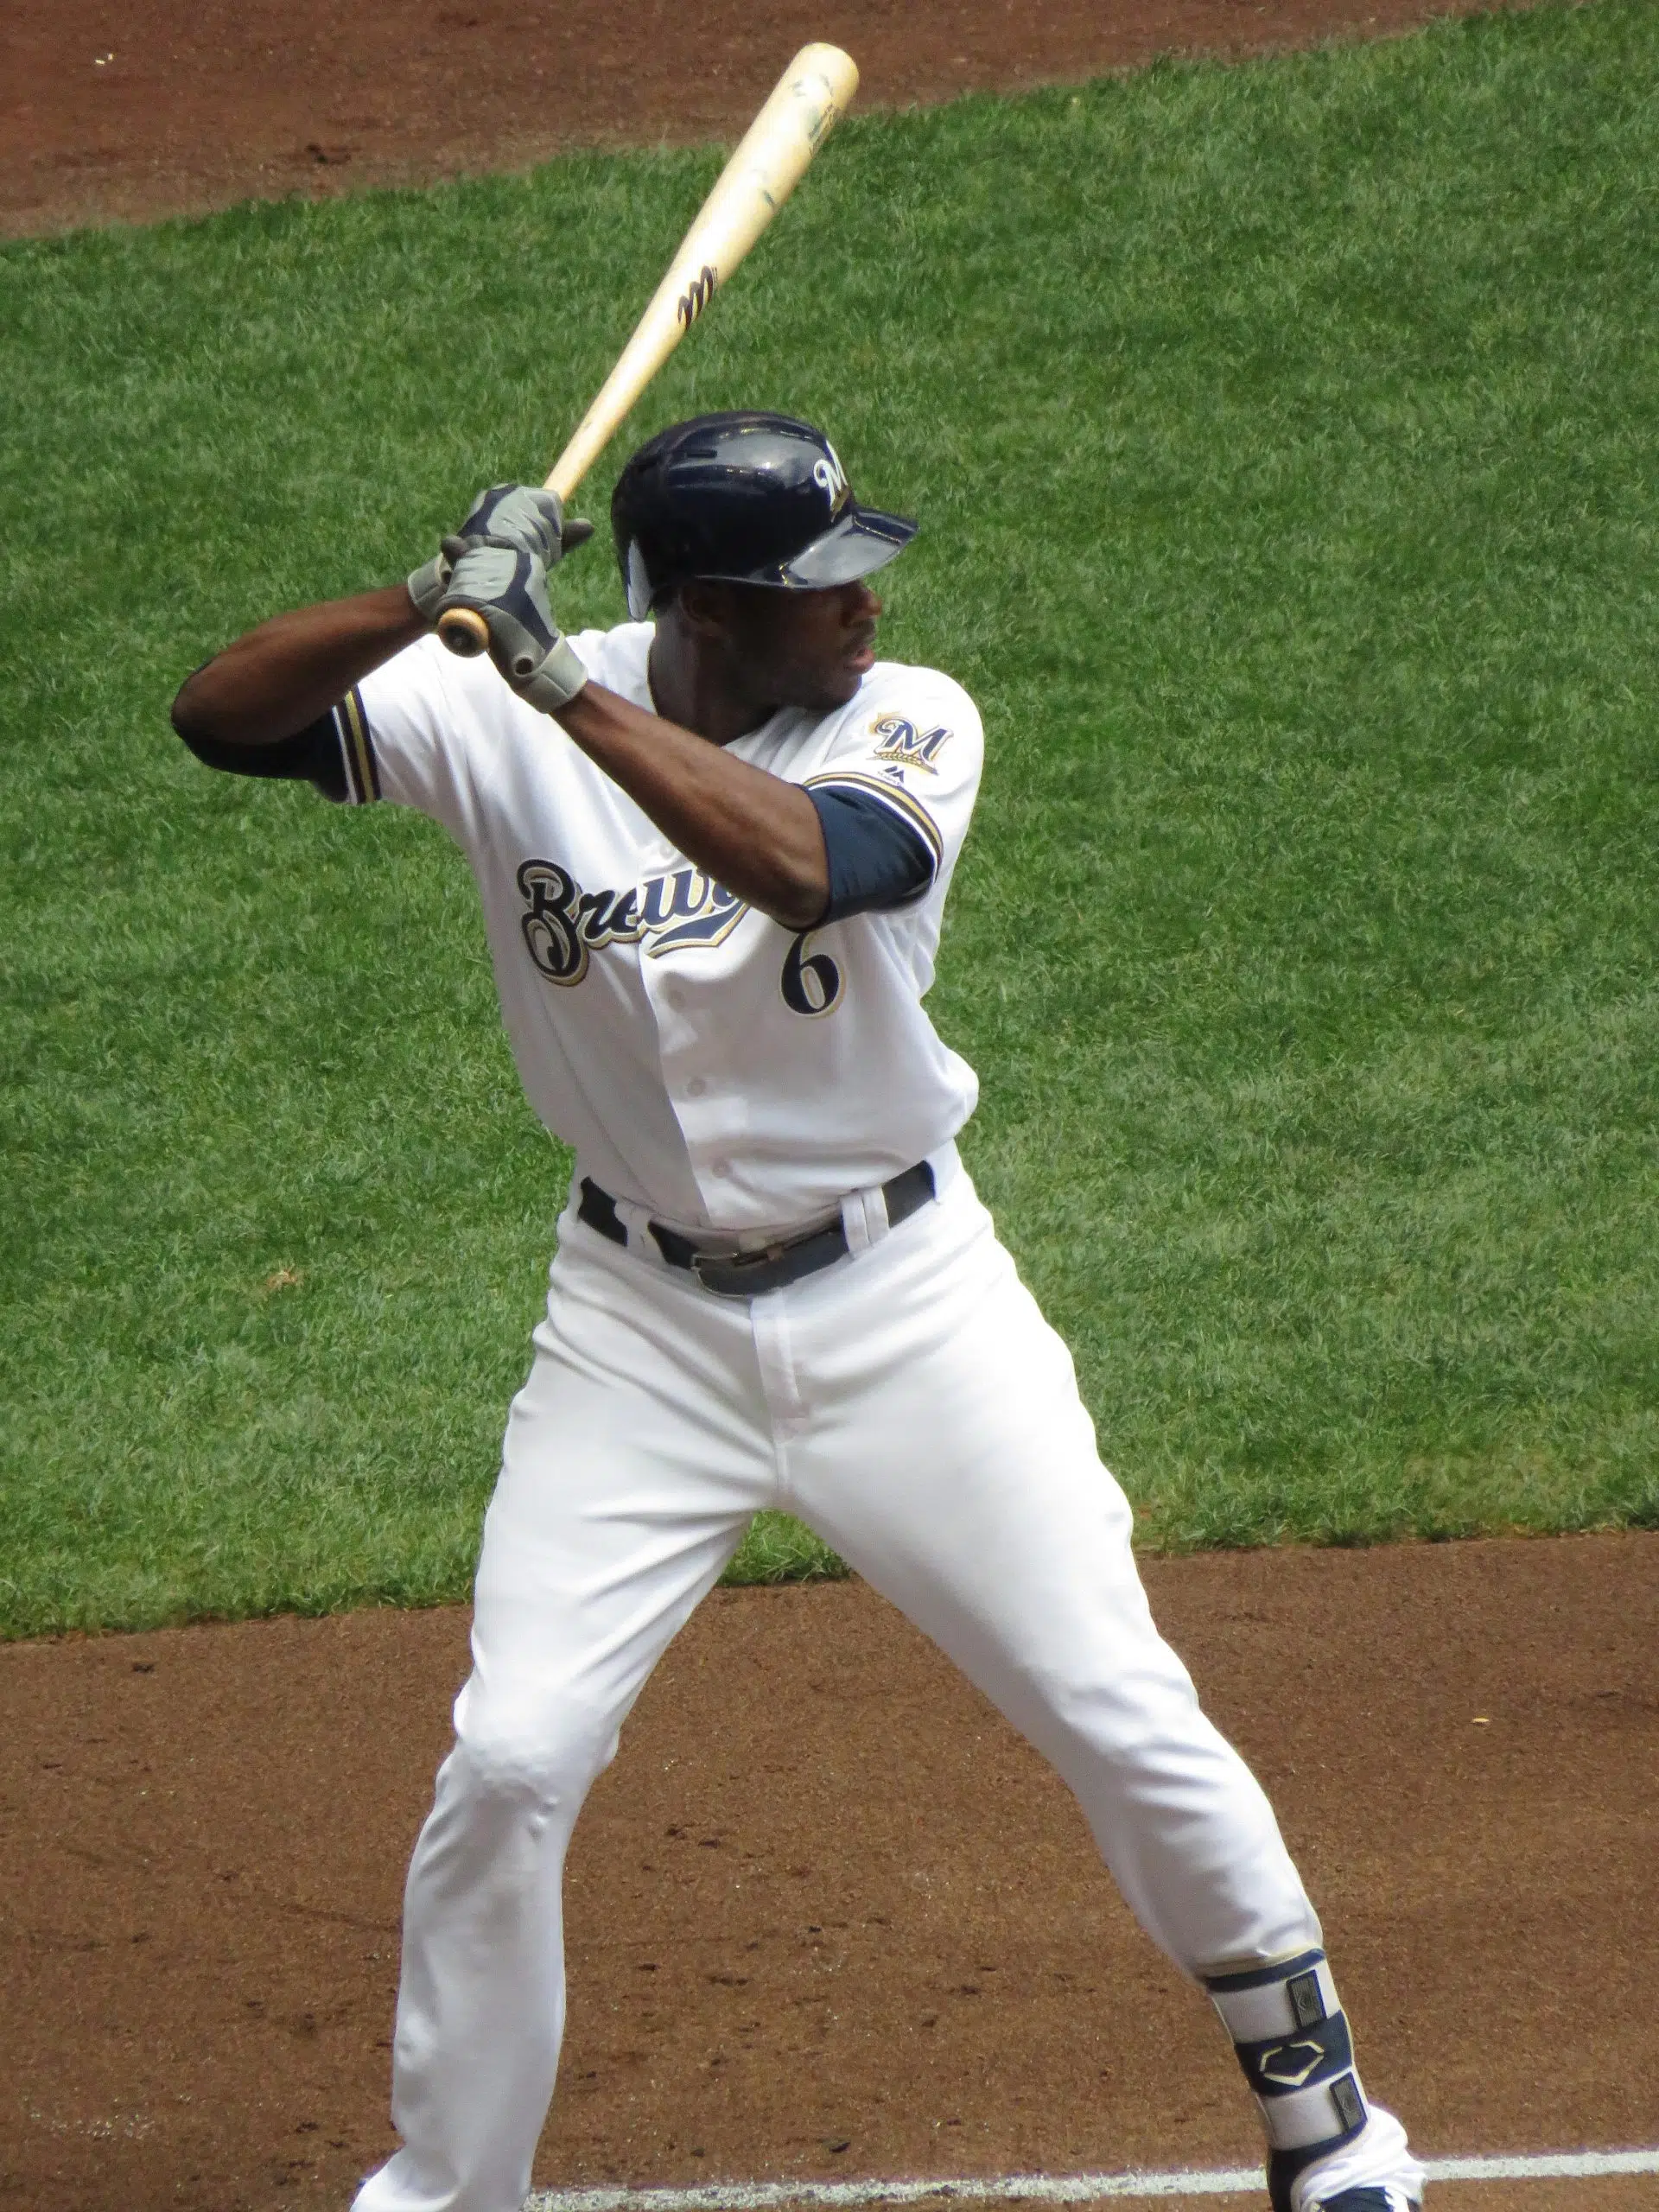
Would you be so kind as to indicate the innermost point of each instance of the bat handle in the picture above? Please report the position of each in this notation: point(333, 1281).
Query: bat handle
point(465, 631)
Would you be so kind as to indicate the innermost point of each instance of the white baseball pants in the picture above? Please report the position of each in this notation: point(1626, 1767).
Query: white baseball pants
point(912, 1405)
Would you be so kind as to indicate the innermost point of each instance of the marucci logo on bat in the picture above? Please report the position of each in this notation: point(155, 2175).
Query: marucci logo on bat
point(696, 295)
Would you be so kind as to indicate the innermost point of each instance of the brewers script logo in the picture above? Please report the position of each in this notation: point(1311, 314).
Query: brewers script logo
point(562, 923)
point(910, 746)
point(696, 295)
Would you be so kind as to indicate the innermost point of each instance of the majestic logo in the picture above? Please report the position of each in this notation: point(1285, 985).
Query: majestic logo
point(696, 295)
point(563, 925)
point(910, 746)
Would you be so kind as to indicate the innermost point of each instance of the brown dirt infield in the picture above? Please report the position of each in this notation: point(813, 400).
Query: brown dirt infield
point(125, 109)
point(828, 1915)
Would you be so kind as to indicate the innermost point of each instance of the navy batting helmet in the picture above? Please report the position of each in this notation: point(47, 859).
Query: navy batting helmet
point(747, 497)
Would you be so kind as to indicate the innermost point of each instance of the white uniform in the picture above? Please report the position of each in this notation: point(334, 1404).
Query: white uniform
point(718, 1073)
point(696, 1057)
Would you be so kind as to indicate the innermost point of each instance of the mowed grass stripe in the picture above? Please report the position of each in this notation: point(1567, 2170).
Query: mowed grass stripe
point(1284, 438)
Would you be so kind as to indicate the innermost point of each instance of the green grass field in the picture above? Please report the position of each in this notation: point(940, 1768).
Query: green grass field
point(1286, 441)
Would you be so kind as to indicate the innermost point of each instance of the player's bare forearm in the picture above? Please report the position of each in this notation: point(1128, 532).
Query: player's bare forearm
point(278, 679)
point(753, 832)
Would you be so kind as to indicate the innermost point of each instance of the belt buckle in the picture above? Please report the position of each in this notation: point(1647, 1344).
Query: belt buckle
point(763, 1257)
point(738, 1263)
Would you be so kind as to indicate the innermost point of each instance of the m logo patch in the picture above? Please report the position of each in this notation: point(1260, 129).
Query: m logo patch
point(911, 747)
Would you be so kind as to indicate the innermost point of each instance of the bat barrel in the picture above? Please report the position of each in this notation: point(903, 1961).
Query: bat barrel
point(808, 100)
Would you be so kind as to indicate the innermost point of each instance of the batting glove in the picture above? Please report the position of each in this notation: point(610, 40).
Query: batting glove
point(524, 517)
point(508, 587)
point(521, 516)
point(428, 584)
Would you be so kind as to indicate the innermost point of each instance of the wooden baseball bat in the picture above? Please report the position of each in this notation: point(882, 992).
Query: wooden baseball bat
point(811, 97)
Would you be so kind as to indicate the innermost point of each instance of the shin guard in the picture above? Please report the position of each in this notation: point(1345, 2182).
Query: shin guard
point(1292, 2042)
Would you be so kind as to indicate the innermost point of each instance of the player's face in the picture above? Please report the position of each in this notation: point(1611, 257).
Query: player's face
point(808, 649)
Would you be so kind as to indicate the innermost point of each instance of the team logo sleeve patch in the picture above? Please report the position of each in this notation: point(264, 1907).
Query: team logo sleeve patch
point(912, 748)
point(902, 741)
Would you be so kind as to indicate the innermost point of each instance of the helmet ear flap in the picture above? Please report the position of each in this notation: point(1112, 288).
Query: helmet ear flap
point(639, 593)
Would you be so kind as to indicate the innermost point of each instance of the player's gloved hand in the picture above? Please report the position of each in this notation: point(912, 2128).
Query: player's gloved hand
point(428, 584)
point(508, 587)
point(522, 516)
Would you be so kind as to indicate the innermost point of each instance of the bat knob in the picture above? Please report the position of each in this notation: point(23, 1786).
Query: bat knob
point(465, 631)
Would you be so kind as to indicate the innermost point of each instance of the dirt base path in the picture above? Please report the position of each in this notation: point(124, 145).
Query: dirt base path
point(828, 1915)
point(127, 109)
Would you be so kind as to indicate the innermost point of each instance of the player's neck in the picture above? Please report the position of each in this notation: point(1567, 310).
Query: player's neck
point(698, 686)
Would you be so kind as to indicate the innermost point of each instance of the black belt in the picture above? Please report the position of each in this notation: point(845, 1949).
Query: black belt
point(772, 1267)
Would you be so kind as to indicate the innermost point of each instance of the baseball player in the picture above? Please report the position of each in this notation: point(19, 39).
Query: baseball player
point(714, 846)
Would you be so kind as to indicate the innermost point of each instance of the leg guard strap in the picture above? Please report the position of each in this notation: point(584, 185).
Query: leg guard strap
point(1292, 2042)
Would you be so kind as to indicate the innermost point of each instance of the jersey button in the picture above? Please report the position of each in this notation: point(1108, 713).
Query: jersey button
point(675, 997)
point(721, 1167)
point(695, 1088)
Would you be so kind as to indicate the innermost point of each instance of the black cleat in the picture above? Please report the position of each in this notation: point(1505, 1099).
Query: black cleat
point(1370, 2198)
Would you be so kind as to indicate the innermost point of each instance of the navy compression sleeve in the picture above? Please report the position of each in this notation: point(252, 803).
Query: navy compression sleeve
point(875, 859)
point(333, 753)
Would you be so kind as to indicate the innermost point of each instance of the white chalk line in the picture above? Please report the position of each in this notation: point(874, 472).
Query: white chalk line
point(1583, 2166)
point(1055, 2189)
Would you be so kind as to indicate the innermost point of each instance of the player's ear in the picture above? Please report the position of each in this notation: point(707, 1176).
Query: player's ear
point(703, 608)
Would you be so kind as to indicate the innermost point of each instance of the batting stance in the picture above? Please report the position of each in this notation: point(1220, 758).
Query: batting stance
point(712, 846)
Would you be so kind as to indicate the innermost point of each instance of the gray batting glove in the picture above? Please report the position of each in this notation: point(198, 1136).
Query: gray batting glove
point(428, 584)
point(508, 587)
point(524, 517)
point(521, 516)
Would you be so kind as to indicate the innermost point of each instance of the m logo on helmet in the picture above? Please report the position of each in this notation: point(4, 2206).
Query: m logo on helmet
point(744, 496)
point(831, 479)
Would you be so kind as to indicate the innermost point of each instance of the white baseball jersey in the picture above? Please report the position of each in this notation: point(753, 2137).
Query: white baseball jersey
point(702, 1059)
